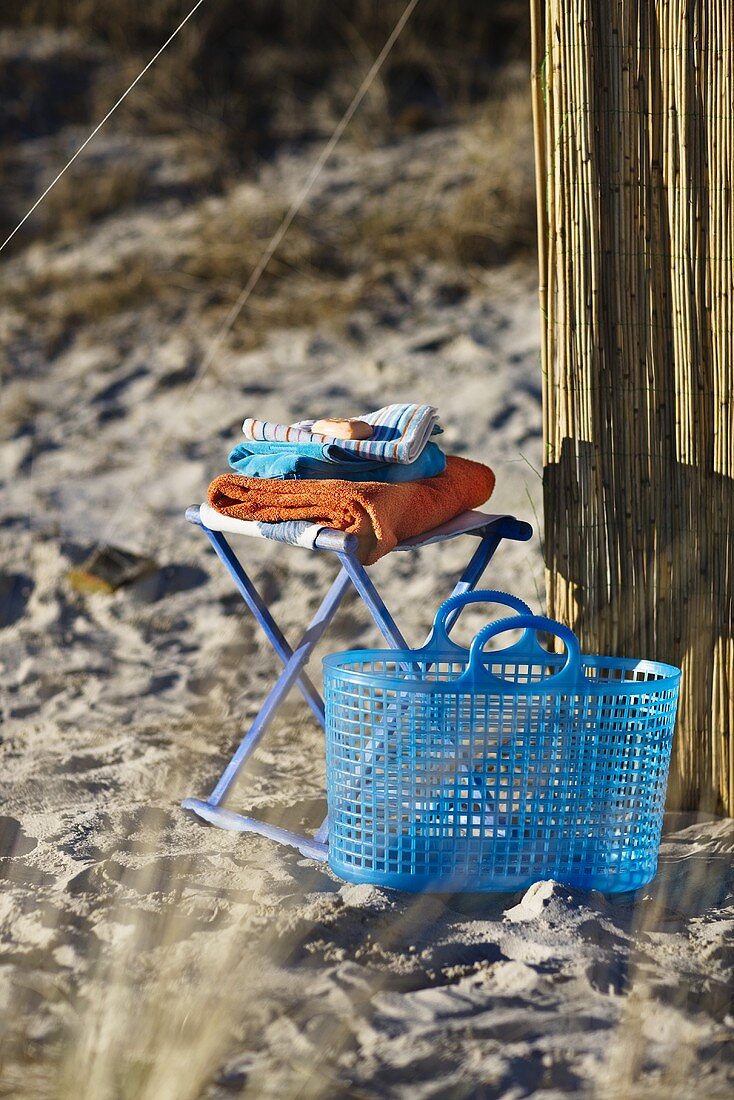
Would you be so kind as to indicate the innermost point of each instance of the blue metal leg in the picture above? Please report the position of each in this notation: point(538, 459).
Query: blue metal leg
point(471, 576)
point(466, 583)
point(312, 848)
point(260, 611)
point(373, 601)
point(290, 673)
point(210, 810)
point(387, 626)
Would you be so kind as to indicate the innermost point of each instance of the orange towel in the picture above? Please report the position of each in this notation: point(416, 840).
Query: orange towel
point(380, 515)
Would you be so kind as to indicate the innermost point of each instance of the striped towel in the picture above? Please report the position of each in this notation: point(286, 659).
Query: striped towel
point(400, 433)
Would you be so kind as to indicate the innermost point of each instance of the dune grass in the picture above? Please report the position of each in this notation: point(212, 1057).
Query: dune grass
point(472, 213)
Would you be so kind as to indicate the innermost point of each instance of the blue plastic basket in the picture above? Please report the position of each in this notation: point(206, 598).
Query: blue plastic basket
point(453, 769)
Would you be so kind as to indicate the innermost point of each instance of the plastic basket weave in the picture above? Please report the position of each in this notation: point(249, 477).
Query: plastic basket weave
point(454, 769)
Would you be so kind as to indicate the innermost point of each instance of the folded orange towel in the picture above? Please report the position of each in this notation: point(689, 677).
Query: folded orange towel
point(380, 515)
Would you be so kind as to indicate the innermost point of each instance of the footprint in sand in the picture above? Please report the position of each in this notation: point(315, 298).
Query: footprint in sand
point(167, 581)
point(15, 591)
point(13, 841)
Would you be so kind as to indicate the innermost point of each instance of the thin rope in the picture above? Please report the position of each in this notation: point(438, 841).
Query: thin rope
point(273, 244)
point(97, 128)
point(300, 198)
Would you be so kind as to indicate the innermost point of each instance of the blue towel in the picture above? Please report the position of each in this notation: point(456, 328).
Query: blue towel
point(261, 458)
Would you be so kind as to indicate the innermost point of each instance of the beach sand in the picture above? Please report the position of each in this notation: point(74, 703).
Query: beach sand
point(148, 955)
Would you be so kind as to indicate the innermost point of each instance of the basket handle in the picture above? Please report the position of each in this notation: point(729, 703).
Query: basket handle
point(567, 677)
point(439, 636)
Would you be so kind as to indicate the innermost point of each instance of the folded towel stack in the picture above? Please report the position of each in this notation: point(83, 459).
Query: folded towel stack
point(388, 487)
point(379, 515)
point(397, 450)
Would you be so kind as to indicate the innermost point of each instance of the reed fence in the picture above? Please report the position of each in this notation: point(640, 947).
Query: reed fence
point(634, 135)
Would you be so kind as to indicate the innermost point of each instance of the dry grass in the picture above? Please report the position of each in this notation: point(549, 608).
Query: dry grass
point(64, 299)
point(469, 212)
point(215, 92)
point(164, 992)
point(273, 70)
point(82, 198)
point(484, 215)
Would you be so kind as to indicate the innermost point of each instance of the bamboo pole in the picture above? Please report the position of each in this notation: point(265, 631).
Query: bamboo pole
point(536, 78)
point(634, 142)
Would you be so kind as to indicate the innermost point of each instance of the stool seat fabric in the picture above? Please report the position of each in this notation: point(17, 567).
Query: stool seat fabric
point(296, 532)
point(303, 533)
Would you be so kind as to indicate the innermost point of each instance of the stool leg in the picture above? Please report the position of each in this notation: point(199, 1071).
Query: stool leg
point(353, 572)
point(291, 673)
point(260, 611)
point(467, 582)
point(357, 574)
point(471, 576)
point(373, 601)
point(386, 624)
point(376, 606)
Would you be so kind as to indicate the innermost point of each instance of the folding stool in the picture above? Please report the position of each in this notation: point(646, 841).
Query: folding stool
point(490, 529)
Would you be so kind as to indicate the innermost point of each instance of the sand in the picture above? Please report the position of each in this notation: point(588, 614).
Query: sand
point(146, 954)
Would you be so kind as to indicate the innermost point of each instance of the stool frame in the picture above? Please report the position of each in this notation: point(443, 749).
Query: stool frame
point(352, 574)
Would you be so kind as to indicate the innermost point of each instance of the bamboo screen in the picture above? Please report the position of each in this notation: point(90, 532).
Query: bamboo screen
point(635, 156)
